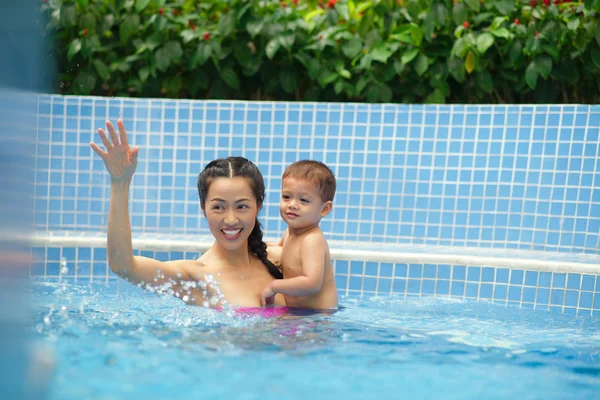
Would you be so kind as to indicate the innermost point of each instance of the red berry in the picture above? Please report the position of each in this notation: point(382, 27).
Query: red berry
point(466, 24)
point(516, 21)
point(206, 35)
point(192, 25)
point(546, 2)
point(331, 3)
point(320, 37)
point(537, 34)
point(533, 3)
point(283, 4)
point(161, 11)
point(85, 32)
point(295, 2)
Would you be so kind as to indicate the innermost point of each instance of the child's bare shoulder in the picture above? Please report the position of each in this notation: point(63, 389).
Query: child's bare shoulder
point(313, 236)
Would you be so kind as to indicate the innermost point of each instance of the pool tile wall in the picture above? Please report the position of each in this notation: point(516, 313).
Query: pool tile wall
point(523, 177)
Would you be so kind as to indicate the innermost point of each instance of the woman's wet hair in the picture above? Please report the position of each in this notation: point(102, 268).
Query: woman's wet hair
point(232, 167)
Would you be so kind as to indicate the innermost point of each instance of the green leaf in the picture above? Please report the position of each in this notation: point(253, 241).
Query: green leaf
point(230, 78)
point(362, 7)
point(203, 53)
point(381, 53)
point(505, 7)
point(516, 51)
point(88, 21)
point(272, 48)
point(162, 59)
point(421, 64)
point(597, 33)
point(413, 7)
point(312, 14)
point(326, 77)
point(216, 50)
point(573, 24)
point(68, 15)
point(460, 13)
point(107, 22)
point(143, 73)
point(352, 48)
point(543, 65)
point(409, 56)
point(554, 52)
point(416, 32)
point(128, 26)
point(473, 5)
point(456, 67)
point(460, 48)
point(255, 26)
point(361, 85)
point(242, 11)
point(84, 83)
point(483, 79)
point(188, 35)
point(287, 40)
point(435, 97)
point(342, 9)
point(596, 55)
point(172, 84)
point(242, 53)
point(470, 62)
point(531, 75)
point(227, 25)
point(101, 68)
point(379, 93)
point(174, 50)
point(385, 93)
point(344, 73)
point(82, 4)
point(441, 14)
point(484, 41)
point(287, 77)
point(501, 32)
point(140, 5)
point(313, 67)
point(338, 87)
point(74, 48)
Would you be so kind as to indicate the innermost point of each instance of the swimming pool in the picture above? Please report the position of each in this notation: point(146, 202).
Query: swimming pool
point(465, 238)
point(115, 341)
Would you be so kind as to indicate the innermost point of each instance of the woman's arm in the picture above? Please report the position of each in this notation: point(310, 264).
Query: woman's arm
point(121, 161)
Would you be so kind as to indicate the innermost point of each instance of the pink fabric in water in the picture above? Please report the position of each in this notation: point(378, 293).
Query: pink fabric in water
point(263, 312)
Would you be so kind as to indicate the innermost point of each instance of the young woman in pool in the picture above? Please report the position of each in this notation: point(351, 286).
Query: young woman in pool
point(231, 191)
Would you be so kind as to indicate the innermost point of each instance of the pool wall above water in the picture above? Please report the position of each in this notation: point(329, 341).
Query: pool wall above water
point(497, 177)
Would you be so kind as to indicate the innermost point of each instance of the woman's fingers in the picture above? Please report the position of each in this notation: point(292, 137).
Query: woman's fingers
point(104, 139)
point(97, 149)
point(122, 131)
point(113, 133)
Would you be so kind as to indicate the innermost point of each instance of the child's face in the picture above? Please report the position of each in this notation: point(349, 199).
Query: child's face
point(231, 211)
point(301, 205)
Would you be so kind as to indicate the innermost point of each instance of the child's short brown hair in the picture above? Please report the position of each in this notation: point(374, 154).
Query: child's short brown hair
point(315, 172)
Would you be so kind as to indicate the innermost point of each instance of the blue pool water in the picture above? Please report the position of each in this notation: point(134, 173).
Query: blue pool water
point(114, 341)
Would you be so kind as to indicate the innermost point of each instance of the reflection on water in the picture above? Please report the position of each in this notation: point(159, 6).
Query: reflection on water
point(113, 332)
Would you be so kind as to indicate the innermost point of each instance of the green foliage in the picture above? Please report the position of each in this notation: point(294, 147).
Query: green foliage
point(433, 51)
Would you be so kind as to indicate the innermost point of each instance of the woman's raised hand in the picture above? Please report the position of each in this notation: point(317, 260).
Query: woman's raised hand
point(120, 160)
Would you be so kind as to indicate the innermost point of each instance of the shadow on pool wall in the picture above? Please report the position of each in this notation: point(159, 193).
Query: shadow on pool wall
point(488, 179)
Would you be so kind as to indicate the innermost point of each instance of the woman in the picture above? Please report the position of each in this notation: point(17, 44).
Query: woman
point(231, 191)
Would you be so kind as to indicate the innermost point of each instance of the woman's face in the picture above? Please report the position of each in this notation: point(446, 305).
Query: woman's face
point(231, 211)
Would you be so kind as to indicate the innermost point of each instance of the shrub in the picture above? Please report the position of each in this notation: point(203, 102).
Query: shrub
point(466, 51)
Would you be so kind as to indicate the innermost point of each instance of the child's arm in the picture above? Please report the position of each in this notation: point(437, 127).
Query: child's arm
point(313, 251)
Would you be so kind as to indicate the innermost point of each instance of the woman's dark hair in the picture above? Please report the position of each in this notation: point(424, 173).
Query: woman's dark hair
point(232, 167)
